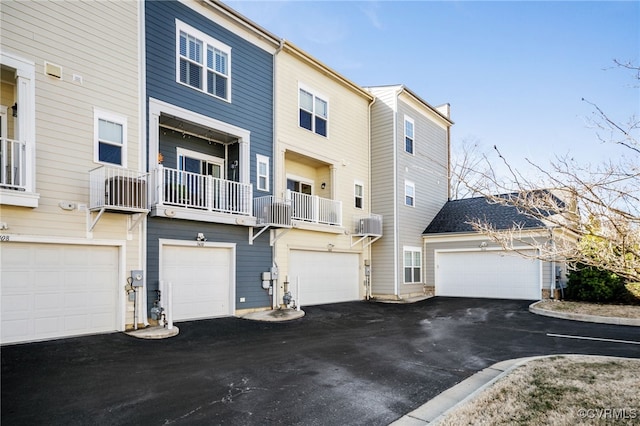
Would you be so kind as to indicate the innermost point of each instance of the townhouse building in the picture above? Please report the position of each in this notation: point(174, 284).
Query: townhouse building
point(70, 115)
point(322, 180)
point(210, 101)
point(410, 184)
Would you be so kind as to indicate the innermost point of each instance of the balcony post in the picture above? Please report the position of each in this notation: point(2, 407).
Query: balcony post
point(160, 184)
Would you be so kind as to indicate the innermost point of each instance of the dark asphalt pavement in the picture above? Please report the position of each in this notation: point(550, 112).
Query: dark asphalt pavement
point(356, 363)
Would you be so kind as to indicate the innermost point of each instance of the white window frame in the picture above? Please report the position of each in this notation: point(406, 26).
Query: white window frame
point(357, 184)
point(316, 96)
point(181, 152)
point(409, 184)
point(98, 115)
point(412, 251)
point(261, 159)
point(207, 43)
point(300, 180)
point(412, 137)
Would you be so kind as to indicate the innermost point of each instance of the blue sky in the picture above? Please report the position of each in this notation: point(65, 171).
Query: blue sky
point(514, 72)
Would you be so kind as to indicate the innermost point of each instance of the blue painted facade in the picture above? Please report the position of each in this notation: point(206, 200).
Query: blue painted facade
point(250, 108)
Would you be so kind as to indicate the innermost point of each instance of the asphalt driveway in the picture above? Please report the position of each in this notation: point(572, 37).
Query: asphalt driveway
point(356, 363)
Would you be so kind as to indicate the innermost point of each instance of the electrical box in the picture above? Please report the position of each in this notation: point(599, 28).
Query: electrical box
point(266, 276)
point(137, 278)
point(274, 272)
point(367, 271)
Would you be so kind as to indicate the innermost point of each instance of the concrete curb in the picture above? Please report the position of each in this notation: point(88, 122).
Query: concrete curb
point(584, 317)
point(275, 315)
point(437, 408)
point(155, 332)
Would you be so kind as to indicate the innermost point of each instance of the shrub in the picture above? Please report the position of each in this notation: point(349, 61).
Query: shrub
point(591, 284)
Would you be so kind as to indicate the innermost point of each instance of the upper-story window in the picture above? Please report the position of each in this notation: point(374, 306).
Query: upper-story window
point(110, 138)
point(408, 135)
point(409, 193)
point(314, 111)
point(358, 190)
point(203, 62)
point(262, 171)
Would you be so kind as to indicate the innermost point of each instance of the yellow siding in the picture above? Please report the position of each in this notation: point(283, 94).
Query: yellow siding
point(98, 43)
point(346, 150)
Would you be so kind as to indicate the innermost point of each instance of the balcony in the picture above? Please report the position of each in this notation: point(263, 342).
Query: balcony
point(13, 161)
point(270, 211)
point(314, 209)
point(117, 190)
point(200, 195)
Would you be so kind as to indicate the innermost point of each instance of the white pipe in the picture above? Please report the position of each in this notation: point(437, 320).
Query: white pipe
point(169, 309)
point(298, 293)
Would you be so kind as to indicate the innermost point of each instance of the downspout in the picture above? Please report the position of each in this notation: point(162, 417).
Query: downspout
point(369, 279)
point(274, 246)
point(142, 160)
point(396, 234)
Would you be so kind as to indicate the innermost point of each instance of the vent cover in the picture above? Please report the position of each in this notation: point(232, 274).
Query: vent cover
point(53, 70)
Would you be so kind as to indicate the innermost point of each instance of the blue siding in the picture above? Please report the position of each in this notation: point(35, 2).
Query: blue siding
point(251, 260)
point(251, 108)
point(251, 104)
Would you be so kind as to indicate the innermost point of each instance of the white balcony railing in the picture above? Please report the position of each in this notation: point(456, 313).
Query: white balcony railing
point(311, 208)
point(115, 188)
point(195, 191)
point(13, 161)
point(272, 211)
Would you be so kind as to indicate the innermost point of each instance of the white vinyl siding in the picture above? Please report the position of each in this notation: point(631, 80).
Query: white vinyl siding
point(203, 62)
point(262, 172)
point(110, 138)
point(412, 265)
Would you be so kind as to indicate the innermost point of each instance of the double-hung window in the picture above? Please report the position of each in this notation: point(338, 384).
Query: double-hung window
point(110, 138)
point(262, 172)
point(203, 62)
point(358, 194)
point(409, 193)
point(408, 135)
point(314, 111)
point(412, 265)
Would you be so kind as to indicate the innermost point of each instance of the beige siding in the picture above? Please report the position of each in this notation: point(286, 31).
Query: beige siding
point(340, 159)
point(383, 182)
point(98, 43)
point(426, 168)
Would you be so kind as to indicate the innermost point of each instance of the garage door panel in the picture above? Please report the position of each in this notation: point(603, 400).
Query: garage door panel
point(54, 290)
point(324, 277)
point(201, 281)
point(493, 274)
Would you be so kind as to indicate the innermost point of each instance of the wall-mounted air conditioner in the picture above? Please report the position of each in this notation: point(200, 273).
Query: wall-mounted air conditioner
point(125, 192)
point(368, 226)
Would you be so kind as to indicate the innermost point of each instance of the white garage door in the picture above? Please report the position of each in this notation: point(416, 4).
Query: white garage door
point(53, 290)
point(324, 277)
point(201, 279)
point(492, 274)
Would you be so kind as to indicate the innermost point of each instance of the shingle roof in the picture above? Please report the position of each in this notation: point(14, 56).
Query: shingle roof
point(455, 215)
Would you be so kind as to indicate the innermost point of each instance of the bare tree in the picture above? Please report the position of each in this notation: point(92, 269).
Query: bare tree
point(592, 212)
point(466, 160)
